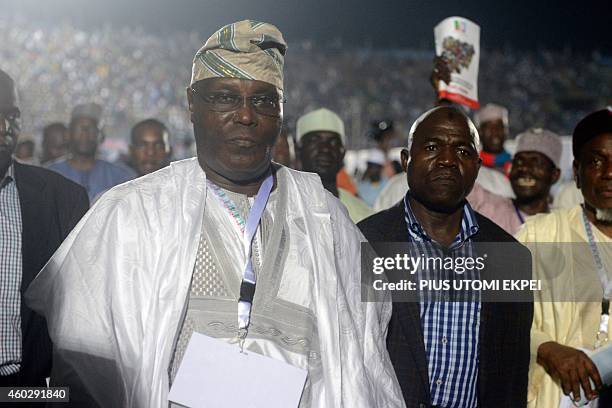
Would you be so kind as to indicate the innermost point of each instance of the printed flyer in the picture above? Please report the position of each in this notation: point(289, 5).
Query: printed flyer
point(458, 42)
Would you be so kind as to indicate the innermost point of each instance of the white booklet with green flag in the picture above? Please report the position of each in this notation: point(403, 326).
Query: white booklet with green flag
point(458, 42)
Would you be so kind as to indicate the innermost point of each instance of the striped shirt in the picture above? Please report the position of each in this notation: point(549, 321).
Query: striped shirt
point(450, 328)
point(10, 275)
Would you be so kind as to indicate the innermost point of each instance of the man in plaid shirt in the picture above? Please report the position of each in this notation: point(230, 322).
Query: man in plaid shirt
point(38, 208)
point(447, 351)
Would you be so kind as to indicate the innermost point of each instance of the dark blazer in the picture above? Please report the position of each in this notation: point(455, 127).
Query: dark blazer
point(504, 330)
point(51, 206)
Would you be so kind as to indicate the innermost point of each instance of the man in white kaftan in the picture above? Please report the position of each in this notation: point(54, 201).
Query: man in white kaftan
point(161, 257)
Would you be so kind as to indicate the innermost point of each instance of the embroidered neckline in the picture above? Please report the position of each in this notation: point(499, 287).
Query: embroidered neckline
point(228, 203)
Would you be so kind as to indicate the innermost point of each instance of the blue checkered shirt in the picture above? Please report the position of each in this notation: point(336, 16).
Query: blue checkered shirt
point(450, 329)
point(10, 275)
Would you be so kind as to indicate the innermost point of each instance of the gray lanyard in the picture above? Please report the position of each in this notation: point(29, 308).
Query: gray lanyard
point(602, 333)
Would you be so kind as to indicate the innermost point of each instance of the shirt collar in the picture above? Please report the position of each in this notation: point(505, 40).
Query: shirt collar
point(8, 176)
point(469, 225)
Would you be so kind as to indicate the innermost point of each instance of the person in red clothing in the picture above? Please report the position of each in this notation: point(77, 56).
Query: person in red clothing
point(492, 123)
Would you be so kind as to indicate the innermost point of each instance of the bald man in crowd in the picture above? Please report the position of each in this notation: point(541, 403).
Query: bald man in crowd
point(450, 353)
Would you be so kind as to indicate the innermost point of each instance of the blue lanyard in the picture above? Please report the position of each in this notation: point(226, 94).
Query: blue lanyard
point(518, 213)
point(247, 286)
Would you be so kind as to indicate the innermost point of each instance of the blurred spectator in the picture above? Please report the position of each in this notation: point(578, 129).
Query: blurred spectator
point(149, 147)
point(492, 123)
point(24, 151)
point(82, 166)
point(373, 179)
point(320, 141)
point(54, 142)
point(383, 133)
point(135, 74)
point(535, 168)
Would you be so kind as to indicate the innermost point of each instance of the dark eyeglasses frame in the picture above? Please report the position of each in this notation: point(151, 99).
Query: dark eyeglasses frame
point(240, 102)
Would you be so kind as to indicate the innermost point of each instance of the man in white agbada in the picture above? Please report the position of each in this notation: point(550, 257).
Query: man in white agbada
point(161, 257)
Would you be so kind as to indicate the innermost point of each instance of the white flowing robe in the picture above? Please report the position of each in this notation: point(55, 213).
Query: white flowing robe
point(114, 293)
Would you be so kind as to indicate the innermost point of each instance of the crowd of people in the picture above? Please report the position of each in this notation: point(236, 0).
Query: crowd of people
point(111, 271)
point(135, 75)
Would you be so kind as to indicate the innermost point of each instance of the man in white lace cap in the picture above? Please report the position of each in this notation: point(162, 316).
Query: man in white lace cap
point(492, 123)
point(535, 169)
point(164, 256)
point(320, 140)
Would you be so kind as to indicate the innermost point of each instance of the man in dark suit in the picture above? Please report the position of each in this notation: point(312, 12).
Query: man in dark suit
point(38, 208)
point(450, 354)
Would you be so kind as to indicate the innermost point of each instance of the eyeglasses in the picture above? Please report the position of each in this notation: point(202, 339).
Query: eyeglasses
point(268, 105)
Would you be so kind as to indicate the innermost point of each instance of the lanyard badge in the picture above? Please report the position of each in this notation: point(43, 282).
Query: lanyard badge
point(249, 280)
point(604, 320)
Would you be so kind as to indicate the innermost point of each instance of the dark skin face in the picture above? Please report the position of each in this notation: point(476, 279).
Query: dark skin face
point(84, 137)
point(443, 162)
point(493, 136)
point(55, 145)
point(322, 152)
point(442, 166)
point(9, 112)
point(234, 148)
point(373, 172)
point(531, 176)
point(386, 139)
point(593, 172)
point(150, 149)
point(25, 150)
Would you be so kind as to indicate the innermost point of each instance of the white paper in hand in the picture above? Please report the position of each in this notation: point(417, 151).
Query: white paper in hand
point(215, 374)
point(458, 42)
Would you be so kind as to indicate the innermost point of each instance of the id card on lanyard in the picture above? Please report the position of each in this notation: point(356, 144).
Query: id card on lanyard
point(606, 284)
point(249, 280)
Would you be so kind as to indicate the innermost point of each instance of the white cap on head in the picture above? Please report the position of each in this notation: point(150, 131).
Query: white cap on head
point(542, 141)
point(491, 112)
point(376, 156)
point(320, 120)
point(89, 110)
point(473, 130)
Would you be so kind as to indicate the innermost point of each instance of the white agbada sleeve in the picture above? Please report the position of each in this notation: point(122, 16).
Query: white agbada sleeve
point(367, 320)
point(114, 291)
point(114, 294)
point(352, 333)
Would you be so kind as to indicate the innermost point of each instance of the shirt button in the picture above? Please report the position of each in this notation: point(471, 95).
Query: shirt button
point(444, 341)
point(439, 382)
